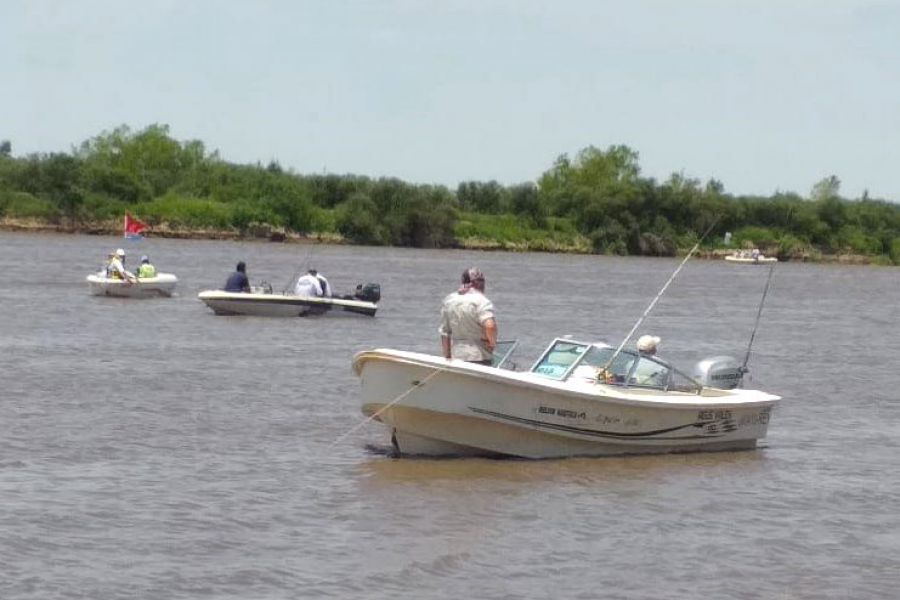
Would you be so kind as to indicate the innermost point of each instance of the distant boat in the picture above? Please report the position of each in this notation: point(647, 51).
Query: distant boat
point(263, 303)
point(750, 257)
point(148, 287)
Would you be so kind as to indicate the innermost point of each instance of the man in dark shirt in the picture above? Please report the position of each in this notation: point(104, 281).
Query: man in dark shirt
point(237, 281)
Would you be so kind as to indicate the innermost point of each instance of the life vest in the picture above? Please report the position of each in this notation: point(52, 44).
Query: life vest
point(146, 271)
point(112, 273)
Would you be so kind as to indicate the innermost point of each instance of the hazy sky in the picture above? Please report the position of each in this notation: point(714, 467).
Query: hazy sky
point(763, 95)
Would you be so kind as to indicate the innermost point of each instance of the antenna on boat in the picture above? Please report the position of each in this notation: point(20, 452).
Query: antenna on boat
point(659, 295)
point(758, 315)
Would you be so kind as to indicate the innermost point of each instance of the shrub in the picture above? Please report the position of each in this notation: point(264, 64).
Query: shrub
point(356, 220)
point(183, 211)
point(895, 250)
point(24, 205)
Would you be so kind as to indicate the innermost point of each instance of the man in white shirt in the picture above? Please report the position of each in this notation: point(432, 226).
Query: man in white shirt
point(468, 328)
point(323, 284)
point(308, 285)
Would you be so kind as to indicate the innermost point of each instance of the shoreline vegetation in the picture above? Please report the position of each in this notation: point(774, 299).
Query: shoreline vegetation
point(594, 203)
point(265, 235)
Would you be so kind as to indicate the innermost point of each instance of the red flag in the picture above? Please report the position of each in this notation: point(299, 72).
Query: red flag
point(133, 227)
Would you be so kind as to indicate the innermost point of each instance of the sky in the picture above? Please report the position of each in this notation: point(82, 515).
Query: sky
point(765, 96)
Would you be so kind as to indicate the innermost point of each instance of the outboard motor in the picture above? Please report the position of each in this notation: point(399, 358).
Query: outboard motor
point(371, 292)
point(723, 372)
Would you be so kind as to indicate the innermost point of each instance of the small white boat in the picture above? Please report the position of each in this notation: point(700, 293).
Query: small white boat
point(263, 303)
point(147, 287)
point(570, 403)
point(749, 258)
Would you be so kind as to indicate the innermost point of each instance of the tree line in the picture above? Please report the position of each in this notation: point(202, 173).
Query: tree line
point(595, 201)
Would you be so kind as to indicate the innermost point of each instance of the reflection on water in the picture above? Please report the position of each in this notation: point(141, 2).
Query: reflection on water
point(583, 470)
point(153, 450)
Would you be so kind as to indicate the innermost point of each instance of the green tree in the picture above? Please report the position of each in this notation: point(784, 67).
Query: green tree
point(525, 201)
point(826, 188)
point(487, 198)
point(357, 220)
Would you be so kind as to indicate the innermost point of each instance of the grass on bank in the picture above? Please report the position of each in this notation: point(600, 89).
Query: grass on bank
point(511, 232)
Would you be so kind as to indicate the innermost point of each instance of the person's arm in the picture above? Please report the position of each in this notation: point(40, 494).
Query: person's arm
point(489, 328)
point(488, 325)
point(444, 330)
point(446, 345)
point(128, 277)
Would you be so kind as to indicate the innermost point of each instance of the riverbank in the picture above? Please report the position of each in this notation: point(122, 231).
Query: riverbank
point(263, 233)
point(266, 233)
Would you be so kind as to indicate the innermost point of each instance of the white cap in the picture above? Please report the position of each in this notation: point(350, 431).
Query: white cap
point(120, 252)
point(647, 343)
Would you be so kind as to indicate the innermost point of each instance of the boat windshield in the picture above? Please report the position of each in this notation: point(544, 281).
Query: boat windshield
point(566, 359)
point(502, 353)
point(559, 358)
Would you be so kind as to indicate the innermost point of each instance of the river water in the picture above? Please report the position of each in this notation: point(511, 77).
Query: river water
point(150, 449)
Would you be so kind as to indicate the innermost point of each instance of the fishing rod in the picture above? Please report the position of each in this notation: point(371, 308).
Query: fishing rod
point(298, 274)
point(658, 296)
point(758, 315)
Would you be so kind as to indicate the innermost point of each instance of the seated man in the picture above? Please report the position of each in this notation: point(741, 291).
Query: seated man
point(323, 283)
point(237, 281)
point(309, 285)
point(648, 372)
point(115, 269)
point(146, 270)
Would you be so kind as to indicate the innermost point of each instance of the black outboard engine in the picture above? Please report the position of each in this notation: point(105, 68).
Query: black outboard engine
point(723, 372)
point(371, 292)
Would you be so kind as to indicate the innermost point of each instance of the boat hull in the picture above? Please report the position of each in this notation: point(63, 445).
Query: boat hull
point(436, 408)
point(163, 285)
point(277, 305)
point(752, 261)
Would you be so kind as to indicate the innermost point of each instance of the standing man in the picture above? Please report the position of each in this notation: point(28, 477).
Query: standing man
point(468, 328)
point(237, 281)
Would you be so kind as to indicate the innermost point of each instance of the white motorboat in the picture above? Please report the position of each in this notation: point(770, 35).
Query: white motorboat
point(138, 287)
point(750, 258)
point(261, 302)
point(570, 403)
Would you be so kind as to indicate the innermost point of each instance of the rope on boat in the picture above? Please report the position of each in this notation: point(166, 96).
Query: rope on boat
point(378, 412)
point(659, 295)
point(758, 315)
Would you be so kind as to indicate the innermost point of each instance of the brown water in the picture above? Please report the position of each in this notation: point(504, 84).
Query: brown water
point(149, 449)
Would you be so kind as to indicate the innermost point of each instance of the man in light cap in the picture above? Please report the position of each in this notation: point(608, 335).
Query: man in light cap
point(115, 269)
point(647, 344)
point(468, 328)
